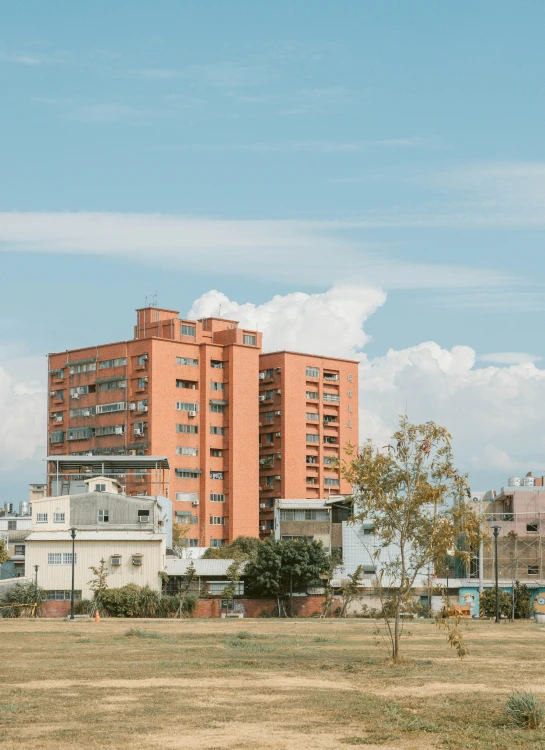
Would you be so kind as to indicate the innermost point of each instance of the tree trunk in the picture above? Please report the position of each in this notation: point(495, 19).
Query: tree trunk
point(395, 649)
point(291, 594)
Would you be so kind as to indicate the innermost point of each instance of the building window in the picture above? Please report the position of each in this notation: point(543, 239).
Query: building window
point(349, 377)
point(312, 395)
point(217, 430)
point(217, 520)
point(141, 383)
point(41, 517)
point(191, 429)
point(217, 364)
point(269, 481)
point(312, 459)
point(61, 558)
point(185, 451)
point(57, 395)
point(111, 429)
point(330, 460)
point(58, 416)
point(248, 340)
point(79, 433)
point(108, 408)
point(190, 384)
point(533, 570)
point(329, 441)
point(190, 542)
point(143, 516)
point(216, 452)
point(532, 528)
point(312, 438)
point(368, 531)
point(188, 361)
point(216, 475)
point(12, 525)
point(82, 411)
point(84, 367)
point(267, 396)
point(100, 488)
point(103, 516)
point(114, 385)
point(58, 517)
point(266, 374)
point(19, 549)
point(186, 406)
point(58, 374)
point(186, 517)
point(62, 596)
point(313, 372)
point(332, 397)
point(217, 497)
point(312, 416)
point(142, 359)
point(331, 376)
point(218, 542)
point(217, 408)
point(331, 482)
point(269, 416)
point(188, 330)
point(57, 436)
point(187, 497)
point(107, 363)
point(188, 473)
point(216, 386)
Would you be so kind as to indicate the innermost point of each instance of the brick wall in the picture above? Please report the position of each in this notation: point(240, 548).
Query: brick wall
point(55, 609)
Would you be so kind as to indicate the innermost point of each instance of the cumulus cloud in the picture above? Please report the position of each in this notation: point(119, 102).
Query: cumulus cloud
point(330, 323)
point(22, 412)
point(493, 412)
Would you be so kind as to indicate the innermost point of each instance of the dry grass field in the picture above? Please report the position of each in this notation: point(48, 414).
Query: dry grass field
point(211, 684)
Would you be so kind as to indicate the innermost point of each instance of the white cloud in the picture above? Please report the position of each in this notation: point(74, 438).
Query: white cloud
point(330, 323)
point(22, 411)
point(317, 252)
point(493, 413)
point(508, 358)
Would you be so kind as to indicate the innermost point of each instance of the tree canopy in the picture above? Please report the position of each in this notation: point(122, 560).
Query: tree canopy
point(241, 548)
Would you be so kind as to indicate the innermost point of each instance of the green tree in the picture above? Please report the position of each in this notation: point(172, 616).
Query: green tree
point(352, 591)
point(99, 583)
point(282, 567)
point(241, 548)
point(4, 556)
point(179, 533)
point(522, 601)
point(409, 490)
point(233, 577)
point(487, 603)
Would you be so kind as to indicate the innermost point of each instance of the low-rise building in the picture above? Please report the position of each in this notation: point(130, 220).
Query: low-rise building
point(14, 530)
point(129, 533)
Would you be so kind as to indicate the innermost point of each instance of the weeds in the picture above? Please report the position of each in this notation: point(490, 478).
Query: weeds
point(523, 709)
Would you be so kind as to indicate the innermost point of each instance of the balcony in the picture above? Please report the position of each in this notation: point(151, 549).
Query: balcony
point(330, 440)
point(330, 377)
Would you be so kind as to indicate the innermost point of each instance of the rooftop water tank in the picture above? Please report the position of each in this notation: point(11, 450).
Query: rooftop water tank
point(528, 481)
point(514, 482)
point(24, 508)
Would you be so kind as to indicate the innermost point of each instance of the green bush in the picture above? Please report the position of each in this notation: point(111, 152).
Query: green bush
point(136, 601)
point(21, 593)
point(488, 603)
point(523, 709)
point(83, 606)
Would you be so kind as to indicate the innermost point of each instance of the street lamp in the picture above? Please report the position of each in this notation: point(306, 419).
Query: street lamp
point(496, 529)
point(73, 535)
point(36, 589)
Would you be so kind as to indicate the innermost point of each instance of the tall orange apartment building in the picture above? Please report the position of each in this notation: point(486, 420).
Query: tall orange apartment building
point(308, 413)
point(184, 389)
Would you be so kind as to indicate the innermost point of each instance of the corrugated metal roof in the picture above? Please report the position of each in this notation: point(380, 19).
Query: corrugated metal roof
point(107, 463)
point(203, 567)
point(95, 536)
point(293, 504)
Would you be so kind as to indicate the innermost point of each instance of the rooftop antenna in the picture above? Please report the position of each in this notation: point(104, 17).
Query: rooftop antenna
point(151, 301)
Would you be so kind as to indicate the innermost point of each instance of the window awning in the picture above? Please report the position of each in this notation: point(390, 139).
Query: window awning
point(218, 402)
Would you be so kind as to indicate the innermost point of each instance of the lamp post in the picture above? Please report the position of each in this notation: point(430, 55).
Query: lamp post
point(496, 529)
point(36, 589)
point(73, 535)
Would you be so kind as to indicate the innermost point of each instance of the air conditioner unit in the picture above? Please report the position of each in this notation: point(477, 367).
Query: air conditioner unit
point(262, 376)
point(116, 560)
point(132, 407)
point(262, 505)
point(53, 393)
point(119, 431)
point(58, 419)
point(262, 398)
point(195, 502)
point(192, 413)
point(277, 434)
point(137, 559)
point(72, 371)
point(75, 395)
point(87, 412)
point(143, 519)
point(132, 452)
point(277, 413)
point(138, 433)
point(144, 357)
point(143, 408)
point(278, 455)
point(279, 391)
point(278, 477)
point(263, 528)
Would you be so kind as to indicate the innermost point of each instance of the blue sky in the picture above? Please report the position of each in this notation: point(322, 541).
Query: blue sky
point(263, 149)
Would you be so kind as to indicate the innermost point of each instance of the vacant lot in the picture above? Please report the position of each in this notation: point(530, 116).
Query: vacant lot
point(210, 684)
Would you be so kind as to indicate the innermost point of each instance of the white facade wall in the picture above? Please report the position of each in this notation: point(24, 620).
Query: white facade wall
point(51, 505)
point(89, 553)
point(22, 524)
point(359, 548)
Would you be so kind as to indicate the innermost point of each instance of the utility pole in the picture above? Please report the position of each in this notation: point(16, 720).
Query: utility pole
point(496, 529)
point(73, 535)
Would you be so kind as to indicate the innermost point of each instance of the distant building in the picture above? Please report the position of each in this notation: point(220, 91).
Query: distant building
point(14, 530)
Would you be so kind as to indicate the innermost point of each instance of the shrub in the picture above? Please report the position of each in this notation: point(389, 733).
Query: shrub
point(523, 709)
point(488, 603)
point(21, 593)
point(136, 601)
point(83, 606)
